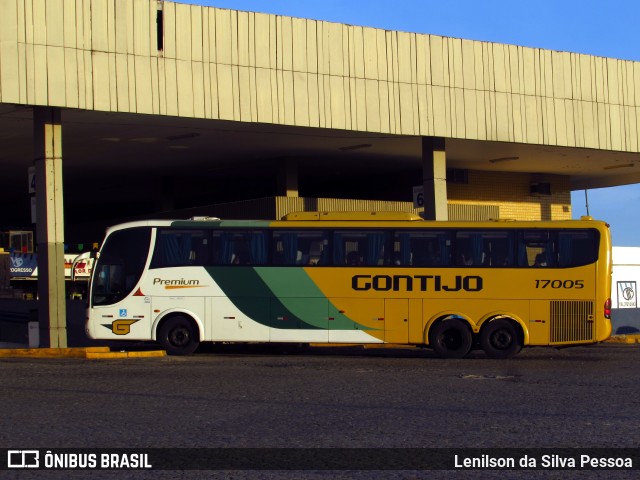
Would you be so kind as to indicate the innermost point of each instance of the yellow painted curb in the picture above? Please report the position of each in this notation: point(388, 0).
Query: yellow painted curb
point(87, 352)
point(109, 355)
point(624, 339)
point(151, 353)
point(52, 352)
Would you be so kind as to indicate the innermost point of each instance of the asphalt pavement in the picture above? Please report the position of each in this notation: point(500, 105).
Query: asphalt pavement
point(262, 397)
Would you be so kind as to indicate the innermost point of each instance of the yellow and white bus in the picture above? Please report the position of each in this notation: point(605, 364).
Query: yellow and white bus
point(354, 278)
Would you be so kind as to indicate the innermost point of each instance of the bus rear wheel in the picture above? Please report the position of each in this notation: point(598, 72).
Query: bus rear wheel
point(451, 338)
point(500, 339)
point(178, 335)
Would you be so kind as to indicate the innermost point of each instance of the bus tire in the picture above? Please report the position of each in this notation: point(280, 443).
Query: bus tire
point(501, 338)
point(451, 338)
point(178, 335)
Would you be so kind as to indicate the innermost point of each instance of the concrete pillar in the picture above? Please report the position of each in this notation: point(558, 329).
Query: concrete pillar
point(434, 178)
point(288, 177)
point(47, 135)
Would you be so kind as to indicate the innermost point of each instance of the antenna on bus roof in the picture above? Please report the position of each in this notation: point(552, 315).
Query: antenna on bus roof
point(586, 199)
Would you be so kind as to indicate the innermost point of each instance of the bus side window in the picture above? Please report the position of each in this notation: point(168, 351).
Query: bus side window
point(353, 258)
point(465, 243)
point(299, 247)
point(200, 253)
point(498, 246)
point(243, 247)
point(403, 249)
point(240, 255)
point(286, 248)
point(537, 248)
point(499, 258)
point(577, 247)
point(544, 255)
point(421, 248)
point(465, 259)
point(541, 260)
point(360, 247)
point(175, 248)
point(317, 253)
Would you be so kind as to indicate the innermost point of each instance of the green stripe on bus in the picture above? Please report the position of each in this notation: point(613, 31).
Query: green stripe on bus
point(297, 291)
point(283, 298)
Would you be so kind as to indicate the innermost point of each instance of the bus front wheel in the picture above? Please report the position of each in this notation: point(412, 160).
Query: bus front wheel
point(451, 338)
point(500, 339)
point(178, 335)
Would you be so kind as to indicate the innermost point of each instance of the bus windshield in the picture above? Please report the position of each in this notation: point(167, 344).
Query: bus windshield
point(120, 265)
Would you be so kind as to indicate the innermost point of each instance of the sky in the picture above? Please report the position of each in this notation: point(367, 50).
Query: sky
point(606, 28)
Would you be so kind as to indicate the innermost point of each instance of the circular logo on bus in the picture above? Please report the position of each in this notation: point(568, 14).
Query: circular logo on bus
point(628, 293)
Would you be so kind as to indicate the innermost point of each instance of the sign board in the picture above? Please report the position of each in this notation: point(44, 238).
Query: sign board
point(627, 294)
point(23, 264)
point(625, 277)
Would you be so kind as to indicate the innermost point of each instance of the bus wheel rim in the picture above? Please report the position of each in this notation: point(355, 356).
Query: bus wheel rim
point(179, 336)
point(501, 339)
point(451, 339)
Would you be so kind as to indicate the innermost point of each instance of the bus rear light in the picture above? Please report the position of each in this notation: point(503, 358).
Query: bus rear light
point(607, 308)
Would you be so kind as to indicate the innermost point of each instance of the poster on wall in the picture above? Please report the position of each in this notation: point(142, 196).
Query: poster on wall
point(627, 295)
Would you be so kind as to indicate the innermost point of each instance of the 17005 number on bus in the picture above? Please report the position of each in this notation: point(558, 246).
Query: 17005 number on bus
point(560, 284)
